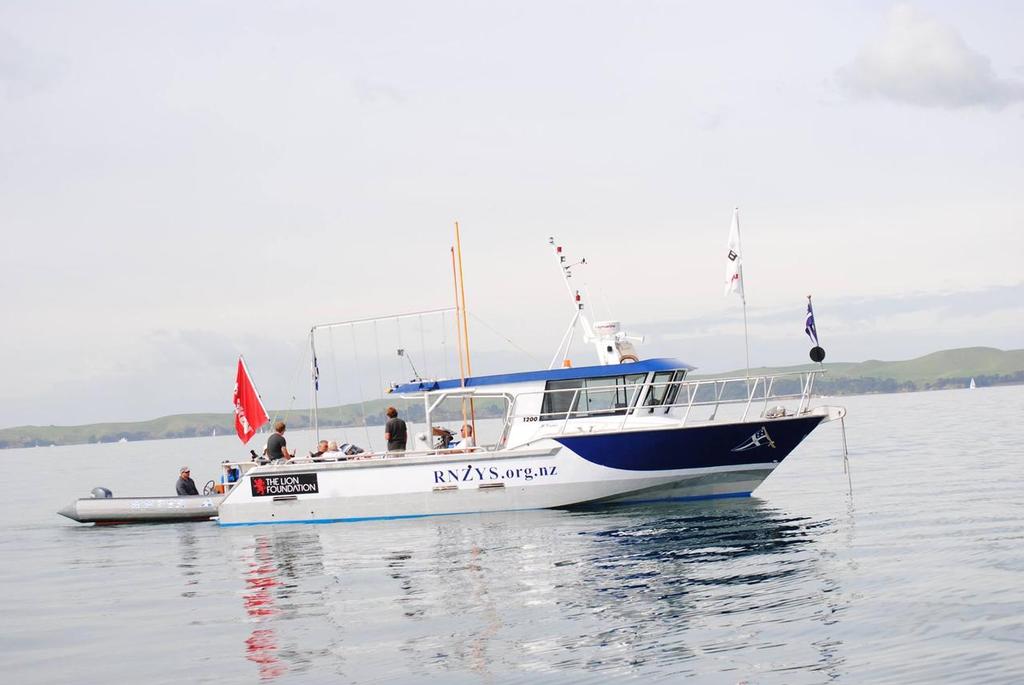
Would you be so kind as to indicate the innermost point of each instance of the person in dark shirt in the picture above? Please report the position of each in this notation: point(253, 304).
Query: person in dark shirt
point(394, 431)
point(277, 449)
point(185, 485)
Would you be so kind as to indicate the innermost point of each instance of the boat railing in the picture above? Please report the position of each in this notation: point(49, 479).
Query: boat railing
point(683, 399)
point(379, 456)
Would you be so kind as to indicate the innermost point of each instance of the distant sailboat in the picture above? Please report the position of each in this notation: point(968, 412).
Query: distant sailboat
point(973, 386)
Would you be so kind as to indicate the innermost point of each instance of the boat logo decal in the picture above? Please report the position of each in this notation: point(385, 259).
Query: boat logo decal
point(758, 439)
point(157, 504)
point(473, 474)
point(292, 484)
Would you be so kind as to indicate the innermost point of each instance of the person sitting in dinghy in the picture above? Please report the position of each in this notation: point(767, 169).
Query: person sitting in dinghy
point(185, 485)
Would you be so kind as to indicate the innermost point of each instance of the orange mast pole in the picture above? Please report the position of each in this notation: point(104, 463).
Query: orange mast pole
point(465, 324)
point(458, 330)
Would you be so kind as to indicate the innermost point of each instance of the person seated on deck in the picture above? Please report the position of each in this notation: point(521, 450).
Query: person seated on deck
point(466, 441)
point(321, 450)
point(185, 485)
point(350, 450)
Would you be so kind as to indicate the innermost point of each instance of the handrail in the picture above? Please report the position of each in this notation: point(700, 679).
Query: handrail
point(635, 407)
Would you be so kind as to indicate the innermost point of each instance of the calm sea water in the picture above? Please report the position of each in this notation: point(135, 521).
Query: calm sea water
point(919, 577)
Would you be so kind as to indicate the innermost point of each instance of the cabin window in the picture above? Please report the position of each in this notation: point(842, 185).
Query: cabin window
point(664, 388)
point(673, 390)
point(559, 398)
point(596, 396)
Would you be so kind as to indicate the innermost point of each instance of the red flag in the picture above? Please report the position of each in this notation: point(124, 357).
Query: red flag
point(249, 411)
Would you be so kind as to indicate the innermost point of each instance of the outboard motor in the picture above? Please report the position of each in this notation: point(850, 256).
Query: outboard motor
point(101, 493)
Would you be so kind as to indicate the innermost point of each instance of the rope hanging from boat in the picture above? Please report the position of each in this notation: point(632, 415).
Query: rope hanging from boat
point(846, 457)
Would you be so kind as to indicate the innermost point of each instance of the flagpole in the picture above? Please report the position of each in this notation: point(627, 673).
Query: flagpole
point(743, 293)
point(248, 375)
point(817, 340)
point(314, 372)
point(746, 336)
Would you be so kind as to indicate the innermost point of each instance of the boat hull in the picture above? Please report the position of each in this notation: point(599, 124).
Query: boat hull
point(624, 467)
point(121, 510)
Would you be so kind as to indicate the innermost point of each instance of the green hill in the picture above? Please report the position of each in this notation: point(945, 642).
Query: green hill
point(935, 371)
point(194, 425)
point(946, 369)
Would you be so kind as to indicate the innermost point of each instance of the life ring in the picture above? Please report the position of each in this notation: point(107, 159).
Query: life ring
point(628, 358)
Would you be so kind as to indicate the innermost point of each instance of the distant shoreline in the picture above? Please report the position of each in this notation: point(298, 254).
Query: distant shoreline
point(944, 370)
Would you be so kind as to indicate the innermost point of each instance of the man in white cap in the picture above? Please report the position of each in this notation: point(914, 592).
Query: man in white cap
point(185, 485)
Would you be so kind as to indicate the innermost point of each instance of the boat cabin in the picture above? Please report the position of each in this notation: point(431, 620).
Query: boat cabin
point(542, 403)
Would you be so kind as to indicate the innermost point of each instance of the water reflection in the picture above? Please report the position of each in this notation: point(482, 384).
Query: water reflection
point(189, 560)
point(278, 570)
point(622, 592)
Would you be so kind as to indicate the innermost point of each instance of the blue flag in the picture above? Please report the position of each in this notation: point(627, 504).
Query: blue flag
point(316, 374)
point(809, 327)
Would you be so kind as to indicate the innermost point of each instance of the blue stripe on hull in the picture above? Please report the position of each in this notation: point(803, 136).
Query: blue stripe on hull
point(358, 519)
point(595, 505)
point(693, 447)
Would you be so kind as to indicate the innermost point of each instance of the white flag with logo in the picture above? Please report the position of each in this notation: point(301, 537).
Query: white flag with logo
point(734, 261)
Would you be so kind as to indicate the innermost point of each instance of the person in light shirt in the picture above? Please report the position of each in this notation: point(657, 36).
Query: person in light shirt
point(466, 441)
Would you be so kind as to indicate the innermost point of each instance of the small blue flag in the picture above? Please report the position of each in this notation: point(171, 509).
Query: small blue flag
point(809, 327)
point(316, 375)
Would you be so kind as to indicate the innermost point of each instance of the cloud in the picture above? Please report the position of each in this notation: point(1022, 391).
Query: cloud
point(24, 72)
point(917, 60)
point(372, 92)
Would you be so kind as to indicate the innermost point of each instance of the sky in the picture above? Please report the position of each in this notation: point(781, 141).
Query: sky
point(181, 183)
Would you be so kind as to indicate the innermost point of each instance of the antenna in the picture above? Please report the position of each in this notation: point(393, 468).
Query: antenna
point(613, 346)
point(415, 374)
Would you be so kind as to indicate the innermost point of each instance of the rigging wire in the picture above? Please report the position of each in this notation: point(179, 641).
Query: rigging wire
point(444, 344)
point(398, 360)
point(334, 363)
point(359, 386)
point(423, 348)
point(295, 381)
point(376, 347)
point(505, 338)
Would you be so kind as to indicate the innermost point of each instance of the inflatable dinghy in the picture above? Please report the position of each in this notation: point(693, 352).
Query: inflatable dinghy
point(104, 509)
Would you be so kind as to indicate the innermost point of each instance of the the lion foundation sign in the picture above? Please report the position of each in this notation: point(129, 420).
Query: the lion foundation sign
point(292, 484)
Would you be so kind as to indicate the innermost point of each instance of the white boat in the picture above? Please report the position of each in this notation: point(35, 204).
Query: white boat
point(973, 386)
point(622, 431)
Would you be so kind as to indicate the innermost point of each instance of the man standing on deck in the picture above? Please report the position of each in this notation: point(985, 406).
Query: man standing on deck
point(394, 431)
point(185, 485)
point(276, 445)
